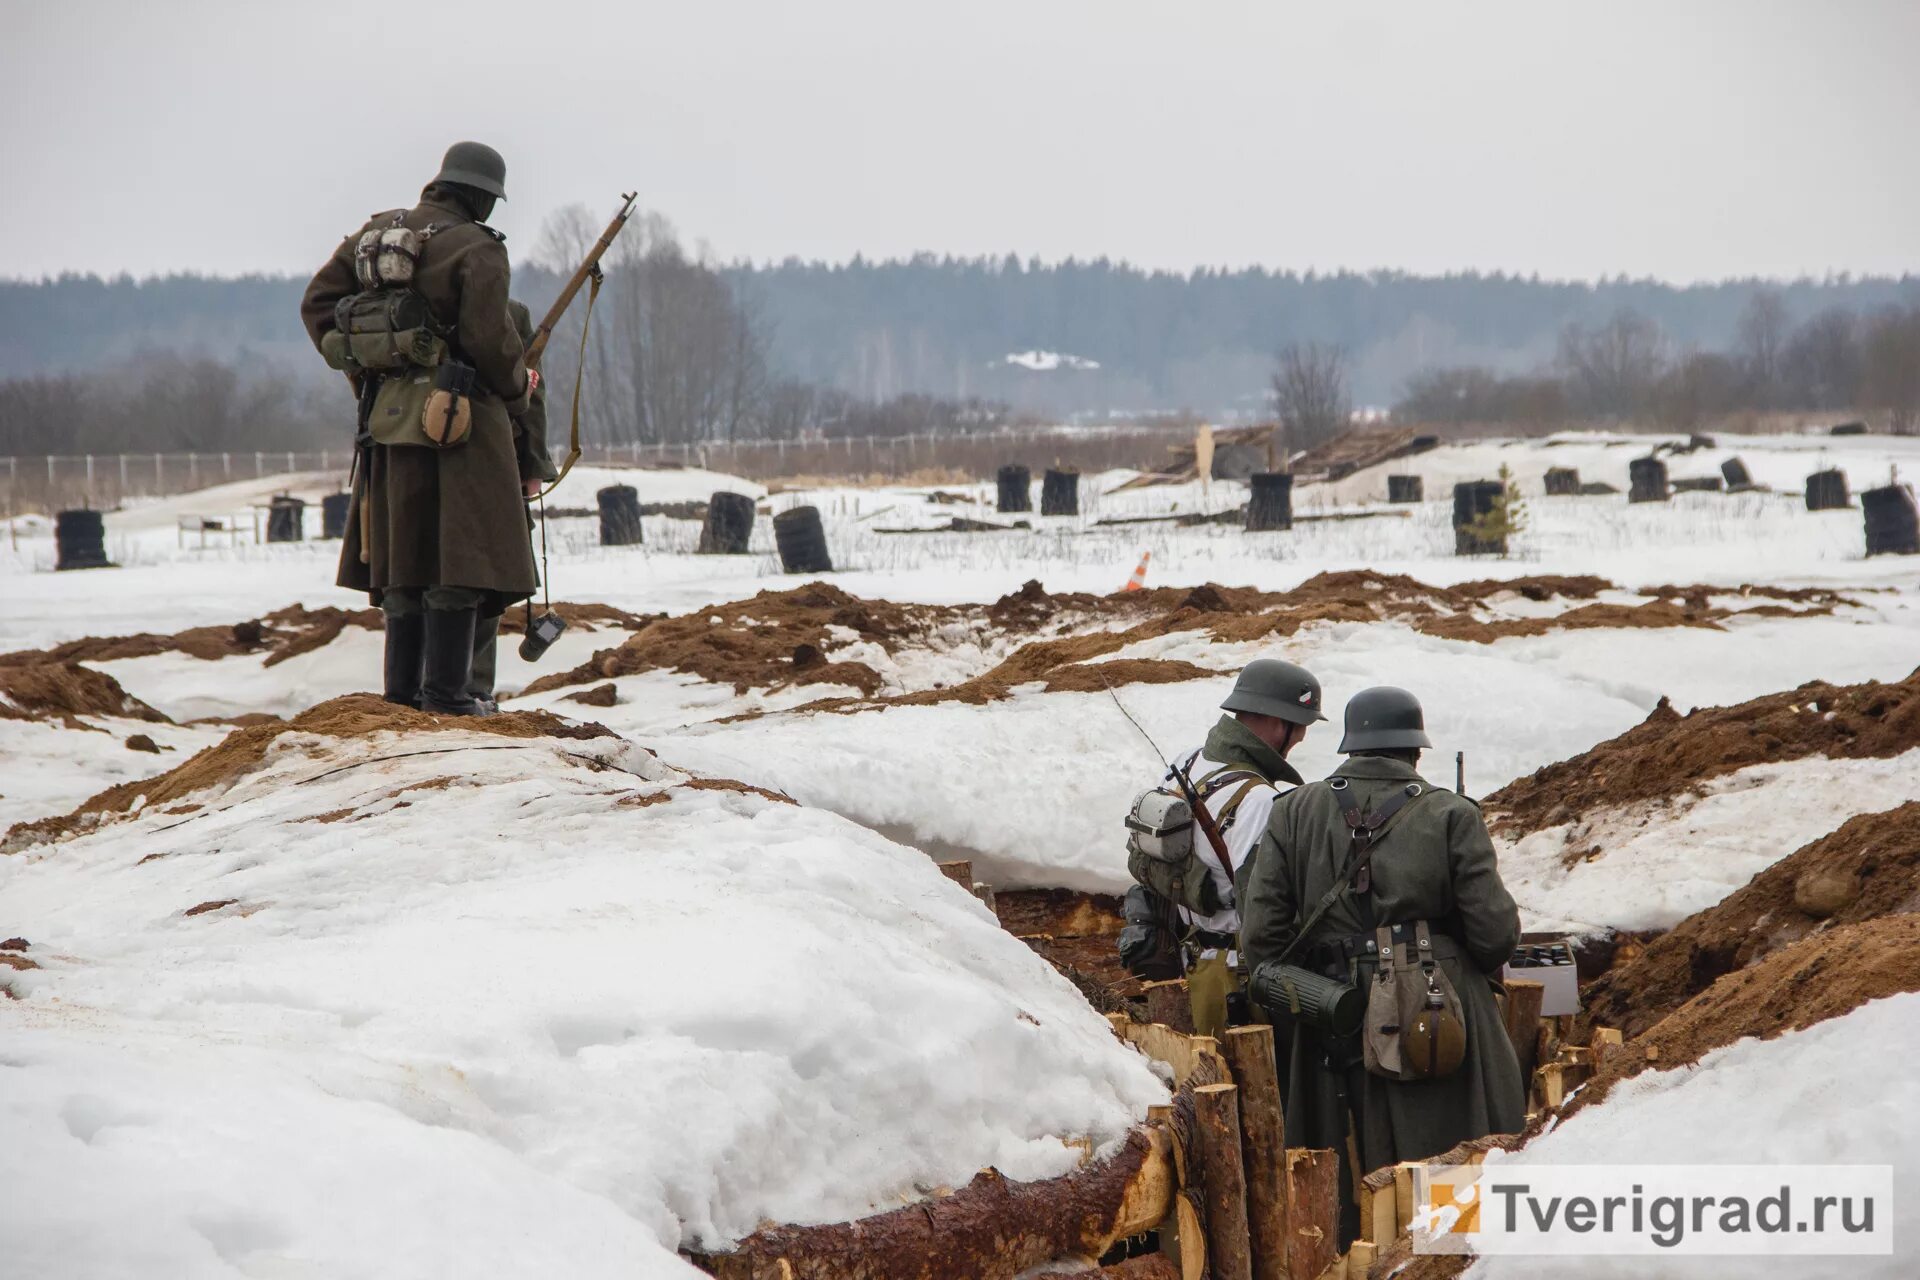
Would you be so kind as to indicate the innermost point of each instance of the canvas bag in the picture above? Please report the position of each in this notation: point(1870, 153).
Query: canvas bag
point(1415, 1028)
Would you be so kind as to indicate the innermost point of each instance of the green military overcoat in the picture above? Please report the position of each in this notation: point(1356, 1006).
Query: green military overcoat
point(424, 517)
point(1434, 862)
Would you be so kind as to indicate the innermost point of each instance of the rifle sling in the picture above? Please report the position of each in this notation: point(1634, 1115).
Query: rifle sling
point(579, 375)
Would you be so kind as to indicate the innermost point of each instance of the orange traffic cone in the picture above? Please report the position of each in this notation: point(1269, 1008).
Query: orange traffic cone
point(1139, 579)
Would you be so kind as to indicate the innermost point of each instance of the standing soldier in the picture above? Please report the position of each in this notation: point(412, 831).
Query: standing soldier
point(1237, 774)
point(1371, 858)
point(536, 469)
point(413, 308)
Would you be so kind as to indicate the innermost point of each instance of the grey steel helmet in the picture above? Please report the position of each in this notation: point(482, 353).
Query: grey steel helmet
point(1270, 687)
point(476, 165)
point(1384, 716)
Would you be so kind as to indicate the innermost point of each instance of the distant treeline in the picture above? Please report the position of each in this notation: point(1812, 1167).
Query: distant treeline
point(941, 326)
point(1628, 369)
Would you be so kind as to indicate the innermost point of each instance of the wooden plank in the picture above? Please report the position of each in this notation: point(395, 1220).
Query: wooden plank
point(1223, 1182)
point(1313, 1211)
point(1523, 1021)
point(1169, 1005)
point(1249, 1055)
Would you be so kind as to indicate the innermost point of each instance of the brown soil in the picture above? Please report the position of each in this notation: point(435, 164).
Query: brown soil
point(218, 766)
point(1823, 976)
point(205, 907)
point(601, 695)
point(1868, 869)
point(1667, 754)
point(283, 634)
point(64, 691)
point(753, 643)
point(141, 742)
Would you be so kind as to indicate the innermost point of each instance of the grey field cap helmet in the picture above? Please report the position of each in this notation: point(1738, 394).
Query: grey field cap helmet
point(476, 165)
point(1270, 687)
point(1384, 716)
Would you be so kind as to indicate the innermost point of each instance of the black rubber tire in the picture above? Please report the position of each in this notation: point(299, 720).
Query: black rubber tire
point(802, 541)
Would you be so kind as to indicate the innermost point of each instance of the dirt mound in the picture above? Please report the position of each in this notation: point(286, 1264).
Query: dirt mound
point(754, 643)
point(64, 691)
point(283, 634)
point(1823, 976)
point(1668, 753)
point(1869, 868)
point(356, 715)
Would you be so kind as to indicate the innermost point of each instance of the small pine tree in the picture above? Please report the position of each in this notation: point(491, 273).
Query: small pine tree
point(1506, 517)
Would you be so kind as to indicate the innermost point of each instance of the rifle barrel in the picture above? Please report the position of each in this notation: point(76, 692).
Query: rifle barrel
point(571, 289)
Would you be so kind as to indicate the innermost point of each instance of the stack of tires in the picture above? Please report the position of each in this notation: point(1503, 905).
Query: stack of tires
point(80, 540)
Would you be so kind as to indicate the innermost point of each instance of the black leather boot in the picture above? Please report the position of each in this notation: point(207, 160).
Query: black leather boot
point(449, 668)
point(406, 643)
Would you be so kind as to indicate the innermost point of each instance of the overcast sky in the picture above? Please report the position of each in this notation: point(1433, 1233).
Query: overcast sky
point(1683, 140)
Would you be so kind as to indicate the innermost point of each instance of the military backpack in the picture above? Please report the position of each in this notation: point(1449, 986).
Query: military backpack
point(387, 332)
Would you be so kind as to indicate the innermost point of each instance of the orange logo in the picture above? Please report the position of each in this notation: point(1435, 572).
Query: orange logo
point(1463, 1198)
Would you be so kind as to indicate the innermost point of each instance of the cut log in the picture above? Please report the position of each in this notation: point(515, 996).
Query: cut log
point(961, 873)
point(1148, 1266)
point(1607, 1041)
point(1551, 1086)
point(1183, 1240)
point(1223, 1182)
point(1169, 1005)
point(1336, 1270)
point(1379, 1210)
point(991, 1229)
point(1313, 1211)
point(1403, 1191)
point(984, 892)
point(1360, 1259)
point(1194, 1059)
point(1249, 1055)
point(1523, 1021)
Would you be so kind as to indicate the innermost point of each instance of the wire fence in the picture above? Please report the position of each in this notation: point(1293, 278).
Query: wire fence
point(49, 483)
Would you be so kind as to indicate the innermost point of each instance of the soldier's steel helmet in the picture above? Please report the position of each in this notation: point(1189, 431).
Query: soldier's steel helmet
point(1384, 716)
point(476, 165)
point(1270, 687)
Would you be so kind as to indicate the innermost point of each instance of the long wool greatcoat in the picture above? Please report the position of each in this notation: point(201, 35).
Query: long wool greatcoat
point(434, 517)
point(1434, 862)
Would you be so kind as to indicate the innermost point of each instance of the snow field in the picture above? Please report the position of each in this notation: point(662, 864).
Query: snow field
point(1033, 788)
point(1842, 1091)
point(688, 1015)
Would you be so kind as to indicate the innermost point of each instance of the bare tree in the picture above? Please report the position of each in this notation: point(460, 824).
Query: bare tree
point(1612, 371)
point(1310, 393)
point(1891, 367)
point(1820, 368)
point(1761, 346)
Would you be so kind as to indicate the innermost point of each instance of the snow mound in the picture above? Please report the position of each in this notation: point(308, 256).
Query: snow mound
point(364, 995)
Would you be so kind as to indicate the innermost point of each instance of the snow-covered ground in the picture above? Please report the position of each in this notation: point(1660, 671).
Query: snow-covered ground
point(530, 1019)
point(511, 1006)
